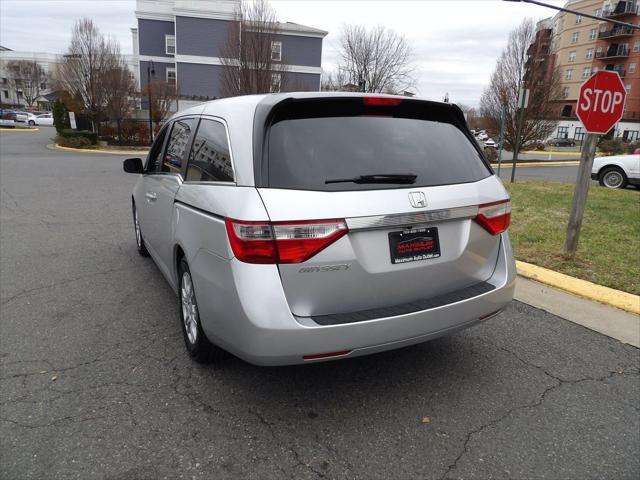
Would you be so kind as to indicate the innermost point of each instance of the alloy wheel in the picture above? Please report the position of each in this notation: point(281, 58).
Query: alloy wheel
point(189, 308)
point(136, 224)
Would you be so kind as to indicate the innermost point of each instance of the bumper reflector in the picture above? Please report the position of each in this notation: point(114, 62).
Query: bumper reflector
point(317, 356)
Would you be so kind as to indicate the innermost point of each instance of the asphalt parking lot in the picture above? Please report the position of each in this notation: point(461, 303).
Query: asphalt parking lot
point(95, 381)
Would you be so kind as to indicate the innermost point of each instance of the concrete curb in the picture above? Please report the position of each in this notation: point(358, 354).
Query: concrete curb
point(539, 164)
point(582, 288)
point(54, 146)
point(573, 154)
point(19, 129)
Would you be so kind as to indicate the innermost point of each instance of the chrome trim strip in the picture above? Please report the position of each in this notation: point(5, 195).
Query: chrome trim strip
point(406, 219)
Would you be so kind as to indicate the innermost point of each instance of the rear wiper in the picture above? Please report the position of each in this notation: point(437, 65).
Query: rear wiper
point(396, 178)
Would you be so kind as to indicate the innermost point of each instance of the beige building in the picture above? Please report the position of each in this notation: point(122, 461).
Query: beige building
point(574, 43)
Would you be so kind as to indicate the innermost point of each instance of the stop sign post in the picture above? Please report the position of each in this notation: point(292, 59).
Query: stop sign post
point(599, 108)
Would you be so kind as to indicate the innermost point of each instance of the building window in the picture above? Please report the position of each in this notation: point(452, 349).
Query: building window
point(593, 34)
point(19, 94)
point(636, 47)
point(563, 132)
point(276, 51)
point(568, 75)
point(6, 93)
point(578, 134)
point(632, 68)
point(578, 18)
point(565, 92)
point(276, 81)
point(4, 81)
point(43, 85)
point(171, 76)
point(170, 44)
point(627, 87)
point(574, 37)
point(597, 12)
point(589, 53)
point(586, 71)
point(572, 56)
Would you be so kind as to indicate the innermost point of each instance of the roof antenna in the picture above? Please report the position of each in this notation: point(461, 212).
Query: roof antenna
point(446, 98)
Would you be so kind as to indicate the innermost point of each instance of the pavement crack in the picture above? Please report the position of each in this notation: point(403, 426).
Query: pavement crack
point(59, 284)
point(559, 382)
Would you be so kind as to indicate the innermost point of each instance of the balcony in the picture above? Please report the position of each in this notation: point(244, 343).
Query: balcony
point(616, 32)
point(622, 8)
point(614, 52)
point(621, 71)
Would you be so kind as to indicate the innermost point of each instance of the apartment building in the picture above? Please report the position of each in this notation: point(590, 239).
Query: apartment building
point(581, 46)
point(185, 38)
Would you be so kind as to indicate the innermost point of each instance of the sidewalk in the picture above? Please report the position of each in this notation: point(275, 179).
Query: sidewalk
point(604, 319)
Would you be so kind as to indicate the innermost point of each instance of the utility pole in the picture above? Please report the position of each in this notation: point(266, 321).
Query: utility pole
point(523, 101)
point(501, 138)
point(150, 71)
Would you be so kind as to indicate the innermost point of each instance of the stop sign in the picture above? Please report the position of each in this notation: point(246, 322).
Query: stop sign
point(601, 101)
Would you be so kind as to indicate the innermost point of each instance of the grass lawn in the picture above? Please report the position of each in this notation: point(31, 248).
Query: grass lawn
point(609, 247)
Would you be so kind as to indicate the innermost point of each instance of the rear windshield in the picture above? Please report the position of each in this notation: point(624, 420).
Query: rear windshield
point(304, 153)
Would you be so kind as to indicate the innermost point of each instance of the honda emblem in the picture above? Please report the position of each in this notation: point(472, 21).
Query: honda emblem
point(417, 199)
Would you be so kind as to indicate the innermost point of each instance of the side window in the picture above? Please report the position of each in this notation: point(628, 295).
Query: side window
point(209, 159)
point(154, 160)
point(177, 145)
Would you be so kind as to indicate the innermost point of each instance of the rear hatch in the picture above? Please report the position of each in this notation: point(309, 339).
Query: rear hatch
point(393, 187)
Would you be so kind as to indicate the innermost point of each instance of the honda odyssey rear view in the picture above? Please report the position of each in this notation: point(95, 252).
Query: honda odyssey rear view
point(302, 227)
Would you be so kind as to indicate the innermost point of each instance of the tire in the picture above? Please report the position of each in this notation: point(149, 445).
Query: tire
point(613, 177)
point(142, 248)
point(197, 343)
point(32, 123)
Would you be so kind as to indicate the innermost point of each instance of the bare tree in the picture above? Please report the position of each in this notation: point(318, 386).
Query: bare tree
point(26, 76)
point(164, 96)
point(335, 81)
point(513, 72)
point(249, 63)
point(377, 60)
point(120, 99)
point(84, 72)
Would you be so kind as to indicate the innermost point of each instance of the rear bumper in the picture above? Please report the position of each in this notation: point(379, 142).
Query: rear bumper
point(254, 321)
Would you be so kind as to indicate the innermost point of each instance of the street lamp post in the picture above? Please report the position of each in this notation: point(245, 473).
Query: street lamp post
point(150, 71)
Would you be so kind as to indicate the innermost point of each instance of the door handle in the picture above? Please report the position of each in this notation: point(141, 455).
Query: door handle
point(151, 196)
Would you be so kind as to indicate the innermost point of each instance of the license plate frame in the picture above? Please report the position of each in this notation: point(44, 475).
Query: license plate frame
point(414, 245)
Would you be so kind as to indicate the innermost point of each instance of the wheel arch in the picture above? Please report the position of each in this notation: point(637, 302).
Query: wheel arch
point(612, 165)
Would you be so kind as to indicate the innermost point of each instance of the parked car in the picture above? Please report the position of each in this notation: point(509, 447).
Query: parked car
point(7, 118)
point(25, 117)
point(617, 171)
point(290, 237)
point(44, 119)
point(482, 136)
point(490, 143)
point(561, 142)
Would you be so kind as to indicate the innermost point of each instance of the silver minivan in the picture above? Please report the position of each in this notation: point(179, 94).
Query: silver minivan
point(304, 227)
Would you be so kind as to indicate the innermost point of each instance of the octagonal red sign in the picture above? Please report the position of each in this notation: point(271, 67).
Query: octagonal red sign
point(601, 101)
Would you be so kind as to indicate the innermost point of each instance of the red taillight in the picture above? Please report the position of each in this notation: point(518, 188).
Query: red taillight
point(381, 101)
point(282, 242)
point(494, 217)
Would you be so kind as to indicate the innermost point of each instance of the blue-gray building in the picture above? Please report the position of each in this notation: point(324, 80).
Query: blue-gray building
point(185, 38)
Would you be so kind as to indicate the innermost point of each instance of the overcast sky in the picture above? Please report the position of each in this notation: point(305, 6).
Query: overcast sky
point(455, 43)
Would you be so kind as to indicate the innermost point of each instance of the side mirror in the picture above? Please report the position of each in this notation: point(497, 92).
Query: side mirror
point(133, 165)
